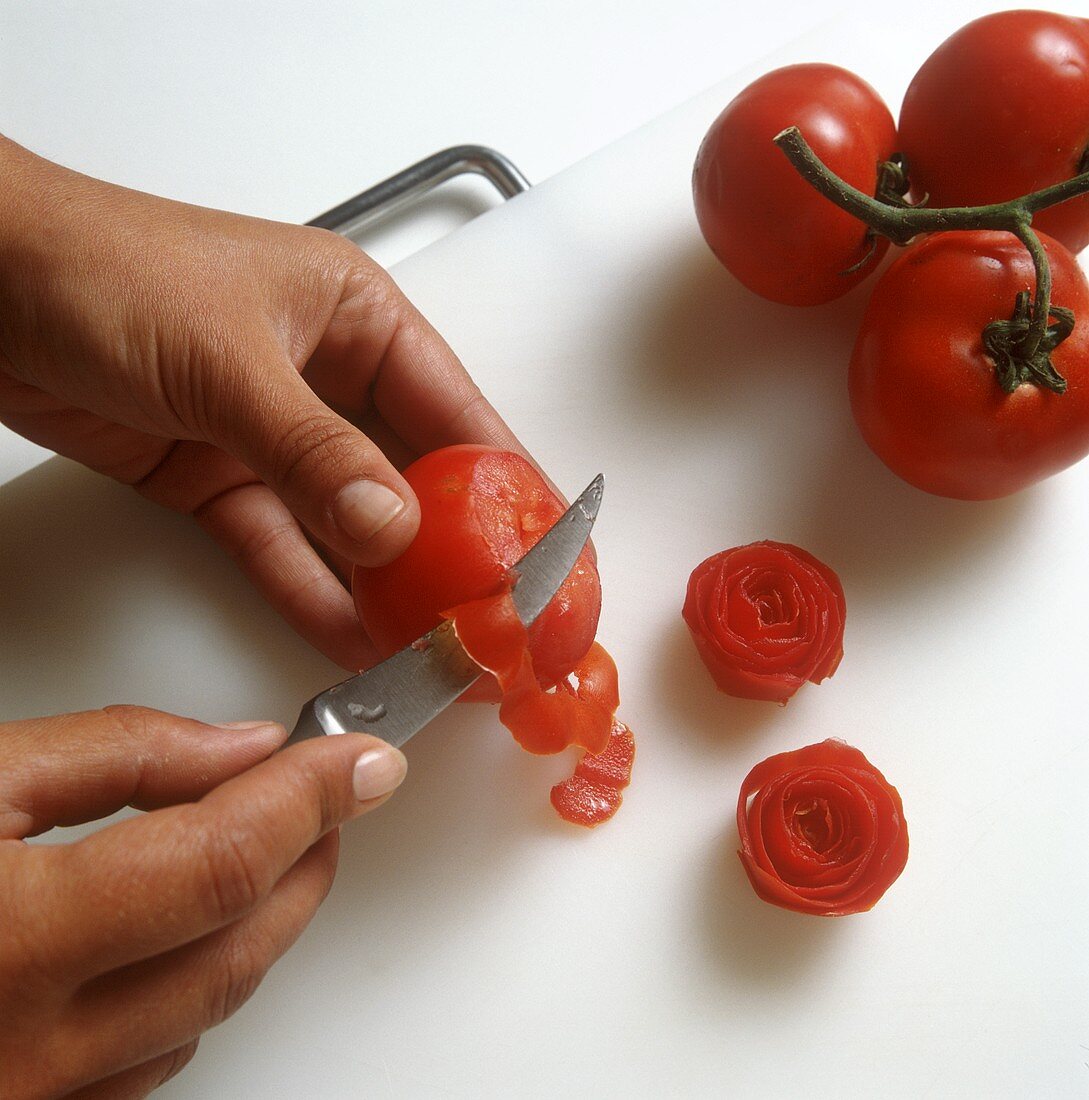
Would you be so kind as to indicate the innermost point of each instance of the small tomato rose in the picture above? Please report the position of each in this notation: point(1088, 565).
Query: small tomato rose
point(822, 831)
point(765, 618)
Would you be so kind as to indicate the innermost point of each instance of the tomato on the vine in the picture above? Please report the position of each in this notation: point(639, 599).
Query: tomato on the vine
point(925, 392)
point(1001, 109)
point(777, 235)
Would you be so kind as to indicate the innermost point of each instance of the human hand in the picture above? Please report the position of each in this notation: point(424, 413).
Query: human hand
point(268, 379)
point(119, 950)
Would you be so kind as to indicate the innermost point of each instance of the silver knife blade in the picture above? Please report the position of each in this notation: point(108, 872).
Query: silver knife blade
point(401, 695)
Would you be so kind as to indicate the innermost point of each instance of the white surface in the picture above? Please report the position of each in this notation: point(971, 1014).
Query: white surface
point(282, 109)
point(473, 945)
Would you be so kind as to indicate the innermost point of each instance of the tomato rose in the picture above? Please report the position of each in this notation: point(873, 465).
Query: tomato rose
point(762, 220)
point(928, 396)
point(822, 831)
point(1000, 109)
point(766, 618)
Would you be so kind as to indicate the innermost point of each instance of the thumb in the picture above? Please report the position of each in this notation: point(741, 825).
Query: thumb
point(334, 479)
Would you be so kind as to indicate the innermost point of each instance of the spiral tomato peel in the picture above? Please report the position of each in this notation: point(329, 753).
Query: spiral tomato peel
point(822, 831)
point(766, 618)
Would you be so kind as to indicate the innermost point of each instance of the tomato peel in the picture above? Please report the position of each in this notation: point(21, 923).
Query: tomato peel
point(766, 618)
point(593, 793)
point(821, 829)
point(542, 722)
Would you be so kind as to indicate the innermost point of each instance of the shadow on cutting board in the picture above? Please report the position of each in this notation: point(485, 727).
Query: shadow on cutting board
point(769, 383)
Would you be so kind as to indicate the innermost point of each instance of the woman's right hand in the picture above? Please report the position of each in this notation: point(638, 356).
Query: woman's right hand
point(119, 950)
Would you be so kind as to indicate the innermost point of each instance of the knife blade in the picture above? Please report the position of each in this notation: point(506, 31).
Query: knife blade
point(395, 699)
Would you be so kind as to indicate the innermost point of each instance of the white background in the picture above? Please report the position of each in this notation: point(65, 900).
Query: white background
point(473, 946)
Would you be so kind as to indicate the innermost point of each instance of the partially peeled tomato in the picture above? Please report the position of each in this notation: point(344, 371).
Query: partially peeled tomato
point(481, 510)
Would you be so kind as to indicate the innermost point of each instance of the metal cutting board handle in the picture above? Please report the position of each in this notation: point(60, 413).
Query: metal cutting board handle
point(417, 179)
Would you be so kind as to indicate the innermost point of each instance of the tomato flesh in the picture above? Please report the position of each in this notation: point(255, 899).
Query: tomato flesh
point(594, 792)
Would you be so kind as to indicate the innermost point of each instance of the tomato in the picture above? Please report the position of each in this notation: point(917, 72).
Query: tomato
point(770, 228)
point(765, 618)
point(822, 830)
point(1001, 109)
point(481, 510)
point(924, 391)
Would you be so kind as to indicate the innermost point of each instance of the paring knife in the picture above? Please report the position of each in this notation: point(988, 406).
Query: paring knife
point(401, 695)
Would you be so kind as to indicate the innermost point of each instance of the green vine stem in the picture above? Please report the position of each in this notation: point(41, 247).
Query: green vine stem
point(1028, 337)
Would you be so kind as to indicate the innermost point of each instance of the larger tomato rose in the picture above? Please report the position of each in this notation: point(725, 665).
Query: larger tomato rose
point(765, 618)
point(822, 830)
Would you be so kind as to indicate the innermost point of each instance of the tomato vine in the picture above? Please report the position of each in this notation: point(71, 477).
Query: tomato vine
point(1021, 345)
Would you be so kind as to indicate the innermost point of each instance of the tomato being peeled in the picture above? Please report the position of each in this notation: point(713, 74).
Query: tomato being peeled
point(481, 509)
point(925, 391)
point(776, 234)
point(1000, 109)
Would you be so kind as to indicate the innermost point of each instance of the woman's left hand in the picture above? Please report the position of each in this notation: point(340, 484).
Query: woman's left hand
point(268, 379)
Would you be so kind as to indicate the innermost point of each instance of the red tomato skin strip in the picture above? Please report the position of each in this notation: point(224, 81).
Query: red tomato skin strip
point(847, 877)
point(593, 793)
point(766, 618)
point(542, 722)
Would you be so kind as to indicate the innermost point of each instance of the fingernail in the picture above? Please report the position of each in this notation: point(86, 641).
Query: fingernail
point(377, 772)
point(363, 508)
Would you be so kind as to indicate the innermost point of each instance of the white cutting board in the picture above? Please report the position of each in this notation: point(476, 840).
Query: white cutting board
point(475, 946)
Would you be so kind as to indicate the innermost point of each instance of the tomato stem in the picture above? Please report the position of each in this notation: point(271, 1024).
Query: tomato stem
point(1022, 344)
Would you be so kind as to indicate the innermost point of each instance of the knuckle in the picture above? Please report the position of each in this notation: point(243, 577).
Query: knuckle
point(236, 873)
point(27, 950)
point(131, 722)
point(317, 796)
point(316, 436)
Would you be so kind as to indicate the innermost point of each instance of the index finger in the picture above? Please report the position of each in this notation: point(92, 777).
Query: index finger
point(149, 884)
point(377, 348)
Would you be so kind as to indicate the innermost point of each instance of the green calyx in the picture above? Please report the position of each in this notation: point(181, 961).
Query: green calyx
point(1015, 363)
point(1020, 346)
point(893, 183)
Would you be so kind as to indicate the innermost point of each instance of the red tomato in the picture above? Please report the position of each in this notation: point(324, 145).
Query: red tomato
point(924, 392)
point(1001, 109)
point(771, 229)
point(822, 830)
point(480, 511)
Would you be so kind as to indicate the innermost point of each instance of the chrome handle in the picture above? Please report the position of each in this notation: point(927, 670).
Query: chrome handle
point(409, 184)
